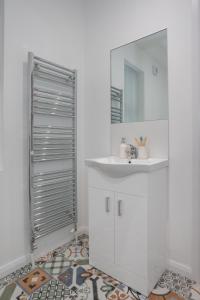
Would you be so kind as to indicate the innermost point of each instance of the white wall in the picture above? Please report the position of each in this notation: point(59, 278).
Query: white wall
point(196, 137)
point(1, 76)
point(53, 30)
point(111, 24)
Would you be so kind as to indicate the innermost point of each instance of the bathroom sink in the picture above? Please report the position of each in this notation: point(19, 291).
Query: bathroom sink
point(117, 167)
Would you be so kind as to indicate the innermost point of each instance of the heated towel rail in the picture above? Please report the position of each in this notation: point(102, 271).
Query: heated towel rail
point(52, 147)
point(116, 105)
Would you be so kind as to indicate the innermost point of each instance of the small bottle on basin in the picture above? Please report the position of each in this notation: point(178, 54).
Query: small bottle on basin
point(123, 148)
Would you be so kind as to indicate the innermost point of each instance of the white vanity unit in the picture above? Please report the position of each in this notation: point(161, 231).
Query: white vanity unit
point(127, 219)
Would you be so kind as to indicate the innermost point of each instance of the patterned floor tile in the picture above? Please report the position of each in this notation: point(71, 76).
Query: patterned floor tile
point(81, 241)
point(100, 286)
point(132, 293)
point(177, 283)
point(13, 292)
point(168, 296)
point(195, 292)
point(84, 240)
point(15, 275)
point(75, 279)
point(118, 294)
point(91, 272)
point(76, 252)
point(55, 290)
point(57, 265)
point(51, 254)
point(163, 293)
point(39, 261)
point(97, 284)
point(34, 280)
point(73, 275)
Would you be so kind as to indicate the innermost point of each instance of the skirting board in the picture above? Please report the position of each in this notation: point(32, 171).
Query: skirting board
point(22, 261)
point(14, 265)
point(180, 268)
point(83, 230)
point(26, 259)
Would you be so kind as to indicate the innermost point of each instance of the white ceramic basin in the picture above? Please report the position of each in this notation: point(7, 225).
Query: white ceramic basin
point(116, 167)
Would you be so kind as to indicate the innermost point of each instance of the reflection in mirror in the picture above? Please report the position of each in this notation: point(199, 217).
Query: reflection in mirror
point(139, 87)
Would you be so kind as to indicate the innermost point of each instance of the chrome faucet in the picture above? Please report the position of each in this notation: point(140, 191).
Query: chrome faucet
point(132, 152)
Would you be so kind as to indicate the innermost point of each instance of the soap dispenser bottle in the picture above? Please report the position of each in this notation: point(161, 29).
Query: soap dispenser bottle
point(123, 148)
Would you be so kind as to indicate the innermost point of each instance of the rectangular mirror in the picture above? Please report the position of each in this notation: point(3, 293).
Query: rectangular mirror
point(139, 80)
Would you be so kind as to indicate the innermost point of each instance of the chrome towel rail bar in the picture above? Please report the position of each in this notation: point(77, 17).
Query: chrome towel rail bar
point(54, 217)
point(58, 195)
point(52, 107)
point(116, 105)
point(51, 174)
point(50, 113)
point(48, 213)
point(49, 63)
point(53, 128)
point(47, 138)
point(43, 159)
point(51, 202)
point(53, 102)
point(40, 72)
point(45, 206)
point(70, 74)
point(52, 137)
point(52, 228)
point(54, 187)
point(43, 226)
point(55, 72)
point(53, 181)
point(52, 92)
point(50, 99)
point(52, 78)
point(57, 192)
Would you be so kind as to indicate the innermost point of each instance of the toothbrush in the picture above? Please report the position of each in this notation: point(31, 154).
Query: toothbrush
point(137, 142)
point(141, 142)
point(145, 141)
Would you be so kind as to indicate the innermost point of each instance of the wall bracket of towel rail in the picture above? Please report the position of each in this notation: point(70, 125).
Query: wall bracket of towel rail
point(52, 147)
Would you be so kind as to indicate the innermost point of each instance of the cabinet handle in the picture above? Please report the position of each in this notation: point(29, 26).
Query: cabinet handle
point(119, 208)
point(107, 204)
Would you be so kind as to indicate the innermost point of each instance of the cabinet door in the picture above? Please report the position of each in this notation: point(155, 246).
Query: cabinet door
point(130, 234)
point(101, 227)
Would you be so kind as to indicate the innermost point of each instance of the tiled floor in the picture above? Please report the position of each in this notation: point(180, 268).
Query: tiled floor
point(66, 274)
